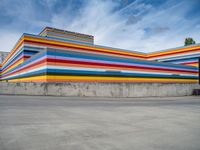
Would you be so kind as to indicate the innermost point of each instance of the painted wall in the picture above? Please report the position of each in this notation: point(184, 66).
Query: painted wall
point(65, 66)
point(187, 55)
point(38, 58)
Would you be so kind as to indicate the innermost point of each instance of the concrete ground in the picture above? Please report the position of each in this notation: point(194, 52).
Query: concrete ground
point(72, 123)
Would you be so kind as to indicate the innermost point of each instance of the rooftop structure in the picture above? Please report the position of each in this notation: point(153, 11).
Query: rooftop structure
point(68, 35)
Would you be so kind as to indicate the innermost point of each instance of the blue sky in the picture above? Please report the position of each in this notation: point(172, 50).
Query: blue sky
point(141, 25)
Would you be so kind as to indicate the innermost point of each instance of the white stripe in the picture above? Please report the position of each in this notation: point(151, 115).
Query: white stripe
point(104, 70)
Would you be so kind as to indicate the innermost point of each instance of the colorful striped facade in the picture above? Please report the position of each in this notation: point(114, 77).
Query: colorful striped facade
point(47, 58)
point(188, 55)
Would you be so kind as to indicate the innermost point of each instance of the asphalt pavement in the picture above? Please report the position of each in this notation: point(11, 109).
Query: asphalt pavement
point(74, 123)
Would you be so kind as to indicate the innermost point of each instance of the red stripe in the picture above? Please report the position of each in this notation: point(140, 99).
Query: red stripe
point(190, 62)
point(113, 65)
point(28, 67)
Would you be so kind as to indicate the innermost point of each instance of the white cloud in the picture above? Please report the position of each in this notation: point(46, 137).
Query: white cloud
point(167, 24)
point(137, 26)
point(8, 40)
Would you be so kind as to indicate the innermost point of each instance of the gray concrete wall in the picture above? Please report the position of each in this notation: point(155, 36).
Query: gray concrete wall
point(98, 89)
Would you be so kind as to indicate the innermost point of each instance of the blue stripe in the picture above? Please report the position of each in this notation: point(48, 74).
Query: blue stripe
point(133, 61)
point(83, 72)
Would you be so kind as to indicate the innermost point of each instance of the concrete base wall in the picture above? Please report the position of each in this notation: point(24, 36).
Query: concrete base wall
point(98, 89)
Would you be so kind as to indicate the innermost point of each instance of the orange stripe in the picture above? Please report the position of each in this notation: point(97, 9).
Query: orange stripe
point(13, 51)
point(171, 53)
point(175, 50)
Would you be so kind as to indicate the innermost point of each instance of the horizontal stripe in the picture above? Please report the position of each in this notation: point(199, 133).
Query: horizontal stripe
point(47, 59)
point(99, 79)
point(114, 65)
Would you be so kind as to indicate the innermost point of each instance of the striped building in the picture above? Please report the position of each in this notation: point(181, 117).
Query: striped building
point(61, 56)
point(187, 55)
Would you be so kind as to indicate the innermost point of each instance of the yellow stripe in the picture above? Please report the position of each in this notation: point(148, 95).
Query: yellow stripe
point(79, 46)
point(15, 65)
point(31, 79)
point(116, 78)
point(12, 52)
point(96, 79)
point(173, 51)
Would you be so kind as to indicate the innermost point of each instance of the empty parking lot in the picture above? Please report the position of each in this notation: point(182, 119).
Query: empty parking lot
point(73, 123)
